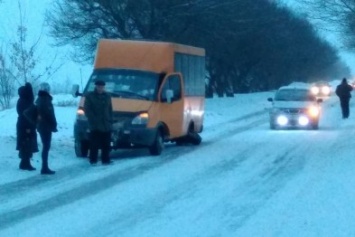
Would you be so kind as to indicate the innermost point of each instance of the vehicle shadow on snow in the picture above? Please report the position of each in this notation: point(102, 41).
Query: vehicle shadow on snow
point(169, 149)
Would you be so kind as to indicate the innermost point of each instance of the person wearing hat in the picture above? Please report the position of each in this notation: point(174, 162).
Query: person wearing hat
point(98, 110)
point(343, 91)
point(46, 124)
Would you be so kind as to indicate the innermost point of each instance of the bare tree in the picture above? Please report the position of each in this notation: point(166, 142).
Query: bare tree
point(334, 15)
point(6, 83)
point(20, 64)
point(25, 57)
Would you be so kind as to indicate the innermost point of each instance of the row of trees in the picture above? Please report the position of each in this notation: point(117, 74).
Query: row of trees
point(251, 45)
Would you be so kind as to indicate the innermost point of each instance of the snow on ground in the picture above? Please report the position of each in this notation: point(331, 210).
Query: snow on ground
point(243, 180)
point(218, 111)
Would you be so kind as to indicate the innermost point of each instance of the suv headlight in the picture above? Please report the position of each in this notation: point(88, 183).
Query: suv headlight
point(325, 90)
point(141, 119)
point(314, 111)
point(315, 90)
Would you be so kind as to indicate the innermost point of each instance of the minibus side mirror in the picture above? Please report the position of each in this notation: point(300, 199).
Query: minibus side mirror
point(75, 91)
point(270, 99)
point(169, 95)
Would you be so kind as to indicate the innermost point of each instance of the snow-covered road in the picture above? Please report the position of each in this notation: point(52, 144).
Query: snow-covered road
point(243, 180)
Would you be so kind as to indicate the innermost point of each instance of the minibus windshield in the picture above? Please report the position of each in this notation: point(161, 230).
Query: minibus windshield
point(124, 83)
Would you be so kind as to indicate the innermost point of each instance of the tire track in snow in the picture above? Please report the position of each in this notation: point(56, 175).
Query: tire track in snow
point(20, 188)
point(126, 222)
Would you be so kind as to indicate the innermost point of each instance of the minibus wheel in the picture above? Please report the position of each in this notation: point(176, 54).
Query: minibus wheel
point(158, 144)
point(81, 148)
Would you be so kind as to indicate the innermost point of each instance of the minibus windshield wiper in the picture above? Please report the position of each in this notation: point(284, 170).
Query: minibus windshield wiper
point(128, 94)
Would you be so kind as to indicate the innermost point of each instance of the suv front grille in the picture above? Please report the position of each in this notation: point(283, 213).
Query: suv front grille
point(293, 111)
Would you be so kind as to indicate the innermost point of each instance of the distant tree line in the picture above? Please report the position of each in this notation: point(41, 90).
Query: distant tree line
point(251, 45)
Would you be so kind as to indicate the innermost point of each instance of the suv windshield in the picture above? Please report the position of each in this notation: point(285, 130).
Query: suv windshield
point(125, 83)
point(294, 95)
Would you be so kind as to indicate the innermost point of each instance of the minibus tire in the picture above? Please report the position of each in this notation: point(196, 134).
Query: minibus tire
point(158, 145)
point(81, 148)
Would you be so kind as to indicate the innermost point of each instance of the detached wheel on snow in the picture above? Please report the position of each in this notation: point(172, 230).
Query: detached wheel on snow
point(82, 148)
point(158, 144)
point(194, 138)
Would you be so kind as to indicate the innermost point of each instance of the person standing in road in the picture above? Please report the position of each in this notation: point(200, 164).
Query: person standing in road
point(343, 91)
point(25, 128)
point(98, 110)
point(46, 123)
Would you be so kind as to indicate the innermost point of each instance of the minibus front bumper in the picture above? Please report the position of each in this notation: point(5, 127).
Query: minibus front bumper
point(133, 137)
point(121, 137)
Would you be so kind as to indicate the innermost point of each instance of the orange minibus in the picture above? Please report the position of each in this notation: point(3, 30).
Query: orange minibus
point(157, 90)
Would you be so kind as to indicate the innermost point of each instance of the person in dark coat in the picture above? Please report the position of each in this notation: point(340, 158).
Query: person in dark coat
point(46, 123)
point(98, 110)
point(343, 91)
point(25, 129)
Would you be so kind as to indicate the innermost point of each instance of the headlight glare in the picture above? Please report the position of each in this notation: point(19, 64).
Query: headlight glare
point(325, 90)
point(282, 120)
point(315, 90)
point(314, 111)
point(303, 120)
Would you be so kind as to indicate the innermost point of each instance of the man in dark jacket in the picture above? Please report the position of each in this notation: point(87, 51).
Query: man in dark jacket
point(343, 91)
point(98, 110)
point(46, 123)
point(25, 128)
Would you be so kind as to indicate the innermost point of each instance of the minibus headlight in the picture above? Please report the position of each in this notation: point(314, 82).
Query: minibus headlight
point(141, 119)
point(80, 114)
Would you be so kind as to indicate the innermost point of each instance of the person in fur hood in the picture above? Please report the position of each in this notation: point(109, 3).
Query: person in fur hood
point(25, 129)
point(46, 123)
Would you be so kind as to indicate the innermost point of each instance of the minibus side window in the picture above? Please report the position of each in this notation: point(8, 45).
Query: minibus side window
point(173, 83)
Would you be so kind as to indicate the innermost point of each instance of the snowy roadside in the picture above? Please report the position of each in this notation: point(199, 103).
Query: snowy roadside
point(218, 111)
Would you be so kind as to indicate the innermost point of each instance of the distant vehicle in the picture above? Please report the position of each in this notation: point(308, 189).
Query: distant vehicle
point(294, 108)
point(321, 89)
point(157, 90)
